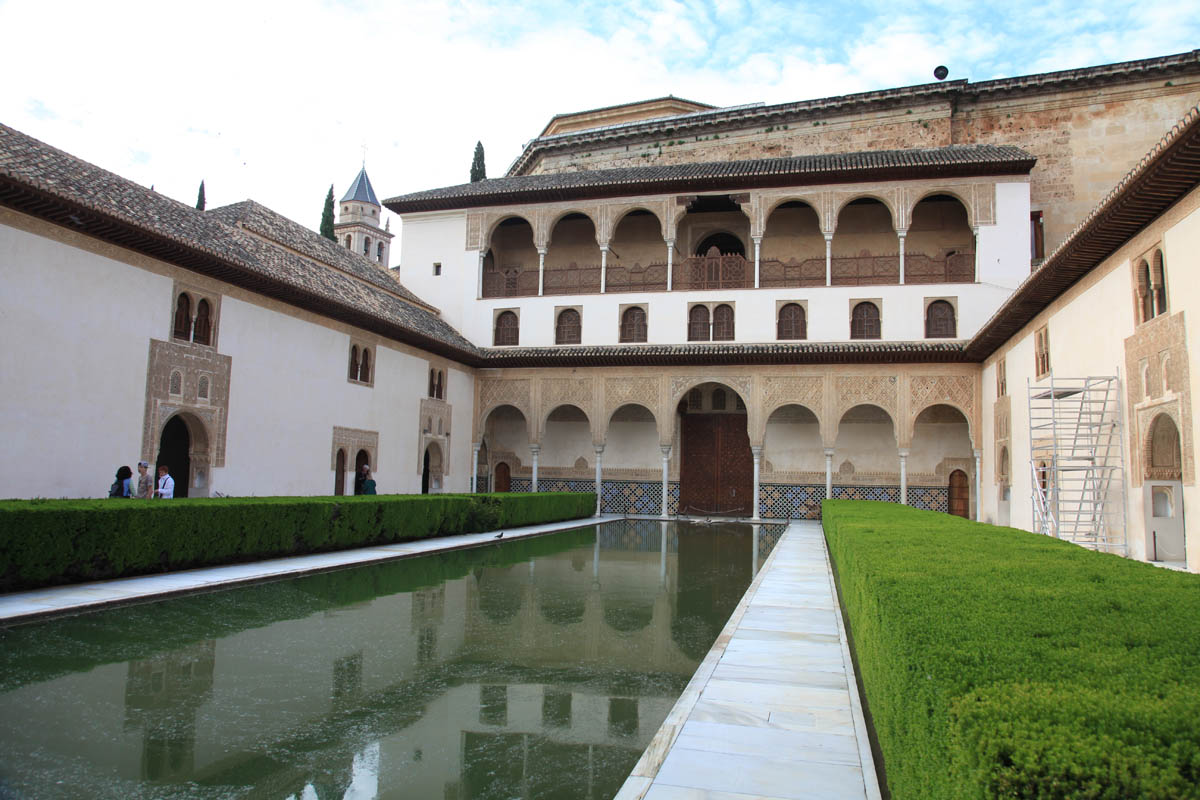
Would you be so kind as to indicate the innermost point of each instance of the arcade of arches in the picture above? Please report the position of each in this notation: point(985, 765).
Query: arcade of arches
point(680, 440)
point(868, 235)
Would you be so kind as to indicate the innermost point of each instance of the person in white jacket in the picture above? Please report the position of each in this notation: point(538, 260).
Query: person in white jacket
point(166, 484)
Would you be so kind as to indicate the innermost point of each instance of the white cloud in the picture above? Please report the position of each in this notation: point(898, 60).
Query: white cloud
point(274, 100)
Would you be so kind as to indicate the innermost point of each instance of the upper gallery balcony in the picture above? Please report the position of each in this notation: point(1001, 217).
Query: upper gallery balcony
point(714, 247)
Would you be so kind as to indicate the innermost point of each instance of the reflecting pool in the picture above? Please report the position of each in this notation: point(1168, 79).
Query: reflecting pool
point(534, 668)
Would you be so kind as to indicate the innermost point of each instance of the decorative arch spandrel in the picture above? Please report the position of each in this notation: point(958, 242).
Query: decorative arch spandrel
point(957, 391)
point(496, 392)
point(779, 391)
point(642, 391)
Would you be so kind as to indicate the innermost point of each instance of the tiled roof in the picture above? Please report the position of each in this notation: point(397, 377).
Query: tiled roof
point(739, 117)
point(858, 352)
point(361, 190)
point(977, 159)
point(1158, 181)
point(48, 183)
point(259, 219)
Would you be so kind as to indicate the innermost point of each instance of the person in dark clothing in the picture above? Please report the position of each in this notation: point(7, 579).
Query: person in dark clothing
point(120, 487)
point(360, 477)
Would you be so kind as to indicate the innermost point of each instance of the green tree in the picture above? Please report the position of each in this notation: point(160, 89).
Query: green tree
point(327, 217)
point(478, 170)
point(200, 197)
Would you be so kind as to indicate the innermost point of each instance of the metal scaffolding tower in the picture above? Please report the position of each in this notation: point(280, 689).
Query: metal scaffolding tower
point(1077, 461)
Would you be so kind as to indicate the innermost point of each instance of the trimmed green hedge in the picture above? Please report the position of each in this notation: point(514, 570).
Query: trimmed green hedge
point(45, 542)
point(1000, 663)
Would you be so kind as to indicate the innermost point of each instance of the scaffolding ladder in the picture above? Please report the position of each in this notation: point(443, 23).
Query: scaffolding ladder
point(1077, 461)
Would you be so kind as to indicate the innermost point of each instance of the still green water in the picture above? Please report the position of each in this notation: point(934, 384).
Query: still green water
point(536, 668)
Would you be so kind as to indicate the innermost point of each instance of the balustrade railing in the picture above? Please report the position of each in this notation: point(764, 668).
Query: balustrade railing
point(714, 272)
point(731, 272)
point(865, 270)
point(571, 279)
point(650, 278)
point(954, 268)
point(775, 274)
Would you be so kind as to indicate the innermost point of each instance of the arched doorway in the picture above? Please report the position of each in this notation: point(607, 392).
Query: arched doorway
point(960, 494)
point(431, 469)
point(361, 459)
point(503, 477)
point(716, 472)
point(174, 450)
point(726, 244)
point(339, 472)
point(1163, 493)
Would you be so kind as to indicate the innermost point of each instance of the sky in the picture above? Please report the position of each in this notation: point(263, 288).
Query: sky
point(276, 100)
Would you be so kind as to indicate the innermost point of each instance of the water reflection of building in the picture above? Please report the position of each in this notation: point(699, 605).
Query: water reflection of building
point(162, 696)
point(575, 657)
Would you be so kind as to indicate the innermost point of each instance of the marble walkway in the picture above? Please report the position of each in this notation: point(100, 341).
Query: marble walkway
point(773, 711)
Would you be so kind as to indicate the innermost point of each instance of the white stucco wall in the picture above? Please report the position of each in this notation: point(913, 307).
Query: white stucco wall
point(75, 382)
point(438, 238)
point(77, 331)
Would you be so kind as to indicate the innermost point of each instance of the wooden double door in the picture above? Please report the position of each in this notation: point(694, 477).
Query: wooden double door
point(716, 468)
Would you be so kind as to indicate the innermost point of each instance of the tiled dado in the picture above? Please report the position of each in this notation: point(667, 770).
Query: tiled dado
point(776, 500)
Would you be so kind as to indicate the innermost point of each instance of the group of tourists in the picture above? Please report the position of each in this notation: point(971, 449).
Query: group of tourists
point(363, 482)
point(143, 486)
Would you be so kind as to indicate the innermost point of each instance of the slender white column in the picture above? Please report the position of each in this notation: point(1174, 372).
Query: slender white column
point(603, 268)
point(666, 465)
point(757, 254)
point(757, 453)
point(541, 270)
point(829, 259)
point(904, 477)
point(901, 234)
point(978, 486)
point(474, 467)
point(670, 257)
point(535, 449)
point(975, 230)
point(599, 448)
point(828, 473)
point(479, 277)
point(596, 561)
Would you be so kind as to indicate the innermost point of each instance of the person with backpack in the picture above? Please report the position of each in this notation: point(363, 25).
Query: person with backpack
point(120, 487)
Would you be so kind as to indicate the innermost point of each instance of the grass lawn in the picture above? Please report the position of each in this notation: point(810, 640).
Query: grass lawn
point(1000, 663)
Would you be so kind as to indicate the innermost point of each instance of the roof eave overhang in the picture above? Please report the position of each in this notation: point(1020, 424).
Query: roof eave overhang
point(702, 184)
point(76, 217)
point(1152, 188)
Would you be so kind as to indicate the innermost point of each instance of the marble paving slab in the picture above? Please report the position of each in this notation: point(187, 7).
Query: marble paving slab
point(774, 710)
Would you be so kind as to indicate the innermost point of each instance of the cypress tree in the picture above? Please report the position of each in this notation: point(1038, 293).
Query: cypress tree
point(478, 170)
point(327, 217)
point(200, 203)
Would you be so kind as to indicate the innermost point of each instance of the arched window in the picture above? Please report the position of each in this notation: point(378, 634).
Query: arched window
point(202, 330)
point(698, 324)
point(379, 252)
point(723, 323)
point(792, 323)
point(367, 246)
point(432, 383)
point(348, 245)
point(1159, 281)
point(567, 329)
point(353, 374)
point(633, 324)
point(364, 368)
point(939, 321)
point(507, 329)
point(202, 388)
point(183, 317)
point(176, 386)
point(864, 321)
point(1145, 297)
point(441, 388)
point(339, 472)
point(718, 400)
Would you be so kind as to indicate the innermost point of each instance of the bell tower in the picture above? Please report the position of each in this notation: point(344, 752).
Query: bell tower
point(358, 227)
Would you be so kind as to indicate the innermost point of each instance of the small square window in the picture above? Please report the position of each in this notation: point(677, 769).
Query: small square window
point(437, 268)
